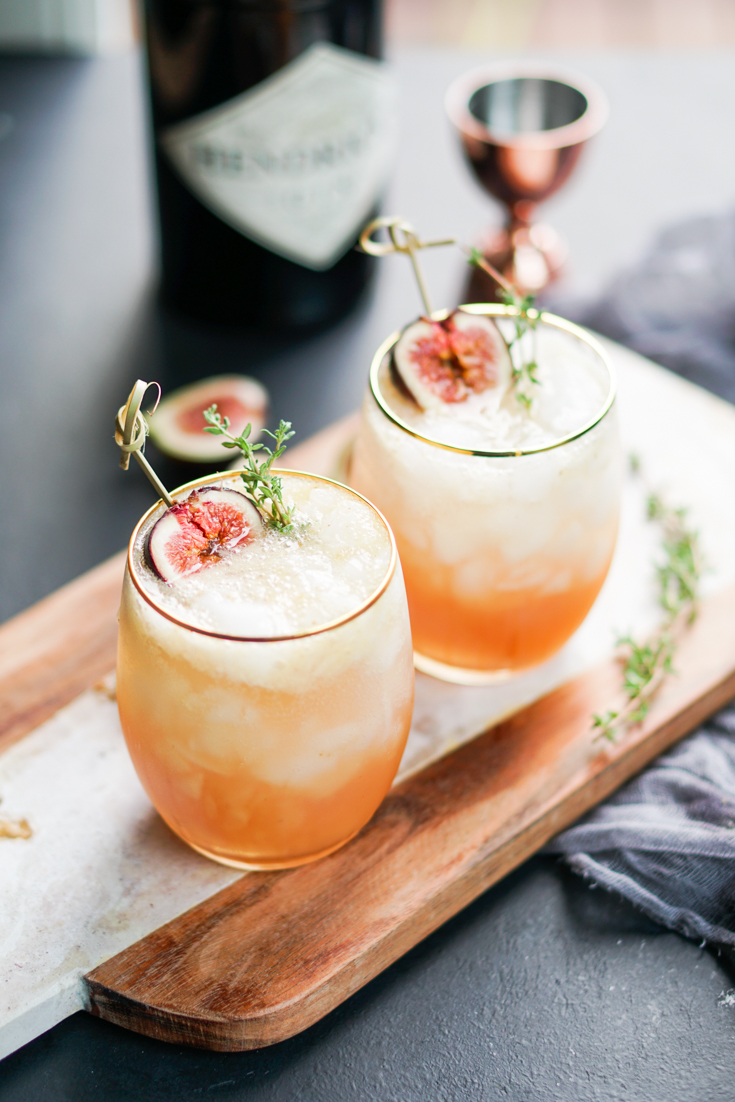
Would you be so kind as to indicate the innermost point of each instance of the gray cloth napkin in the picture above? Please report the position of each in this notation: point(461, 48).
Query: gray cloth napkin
point(666, 841)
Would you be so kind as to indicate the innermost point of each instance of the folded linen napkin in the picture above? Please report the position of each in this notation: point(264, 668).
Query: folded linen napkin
point(666, 841)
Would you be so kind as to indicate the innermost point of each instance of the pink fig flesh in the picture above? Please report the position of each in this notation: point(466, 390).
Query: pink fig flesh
point(193, 533)
point(229, 406)
point(480, 350)
point(424, 360)
point(442, 363)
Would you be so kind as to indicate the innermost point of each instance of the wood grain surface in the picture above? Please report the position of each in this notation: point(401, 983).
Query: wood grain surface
point(274, 952)
point(63, 645)
point(58, 648)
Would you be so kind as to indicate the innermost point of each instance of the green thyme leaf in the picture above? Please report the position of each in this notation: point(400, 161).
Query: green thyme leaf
point(263, 487)
point(646, 665)
point(524, 369)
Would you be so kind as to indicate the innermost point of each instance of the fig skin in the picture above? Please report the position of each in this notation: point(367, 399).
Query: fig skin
point(192, 533)
point(443, 363)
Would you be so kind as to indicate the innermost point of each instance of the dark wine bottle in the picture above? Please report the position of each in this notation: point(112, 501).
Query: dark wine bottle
point(274, 131)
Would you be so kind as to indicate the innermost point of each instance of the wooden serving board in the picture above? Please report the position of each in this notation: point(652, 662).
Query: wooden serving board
point(182, 949)
point(271, 954)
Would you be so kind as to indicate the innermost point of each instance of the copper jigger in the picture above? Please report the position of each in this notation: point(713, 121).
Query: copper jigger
point(522, 128)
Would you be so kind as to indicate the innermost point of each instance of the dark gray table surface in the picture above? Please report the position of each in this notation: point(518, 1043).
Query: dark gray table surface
point(542, 988)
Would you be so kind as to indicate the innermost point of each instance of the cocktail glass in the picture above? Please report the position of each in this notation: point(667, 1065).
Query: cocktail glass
point(265, 752)
point(503, 552)
point(523, 126)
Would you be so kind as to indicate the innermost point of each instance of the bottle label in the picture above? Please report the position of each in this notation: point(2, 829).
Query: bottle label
point(297, 162)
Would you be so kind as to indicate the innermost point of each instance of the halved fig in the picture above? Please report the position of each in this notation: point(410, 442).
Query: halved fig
point(444, 362)
point(177, 426)
point(193, 533)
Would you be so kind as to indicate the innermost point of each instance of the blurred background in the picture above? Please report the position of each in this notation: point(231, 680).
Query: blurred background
point(562, 24)
point(102, 26)
point(79, 313)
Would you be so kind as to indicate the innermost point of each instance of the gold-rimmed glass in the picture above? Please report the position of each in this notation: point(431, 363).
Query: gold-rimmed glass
point(503, 551)
point(265, 752)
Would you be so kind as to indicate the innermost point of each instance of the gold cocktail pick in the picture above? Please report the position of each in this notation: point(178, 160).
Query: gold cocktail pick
point(130, 433)
point(408, 243)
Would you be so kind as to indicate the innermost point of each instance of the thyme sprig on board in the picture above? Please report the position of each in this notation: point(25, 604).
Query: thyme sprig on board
point(646, 665)
point(524, 368)
point(262, 486)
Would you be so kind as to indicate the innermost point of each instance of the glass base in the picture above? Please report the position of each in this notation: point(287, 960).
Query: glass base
point(459, 675)
point(267, 866)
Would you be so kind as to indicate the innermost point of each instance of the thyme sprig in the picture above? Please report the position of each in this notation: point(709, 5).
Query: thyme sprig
point(647, 665)
point(261, 485)
point(523, 368)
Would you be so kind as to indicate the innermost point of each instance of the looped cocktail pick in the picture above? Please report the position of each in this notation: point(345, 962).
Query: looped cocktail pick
point(403, 239)
point(130, 433)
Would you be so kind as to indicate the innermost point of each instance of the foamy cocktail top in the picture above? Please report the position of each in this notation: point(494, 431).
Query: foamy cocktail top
point(468, 395)
point(272, 583)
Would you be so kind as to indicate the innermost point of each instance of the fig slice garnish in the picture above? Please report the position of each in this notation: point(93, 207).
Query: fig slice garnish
point(177, 427)
point(442, 363)
point(194, 532)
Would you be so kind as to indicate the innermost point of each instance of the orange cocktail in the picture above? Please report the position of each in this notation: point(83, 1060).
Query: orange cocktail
point(505, 514)
point(266, 700)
